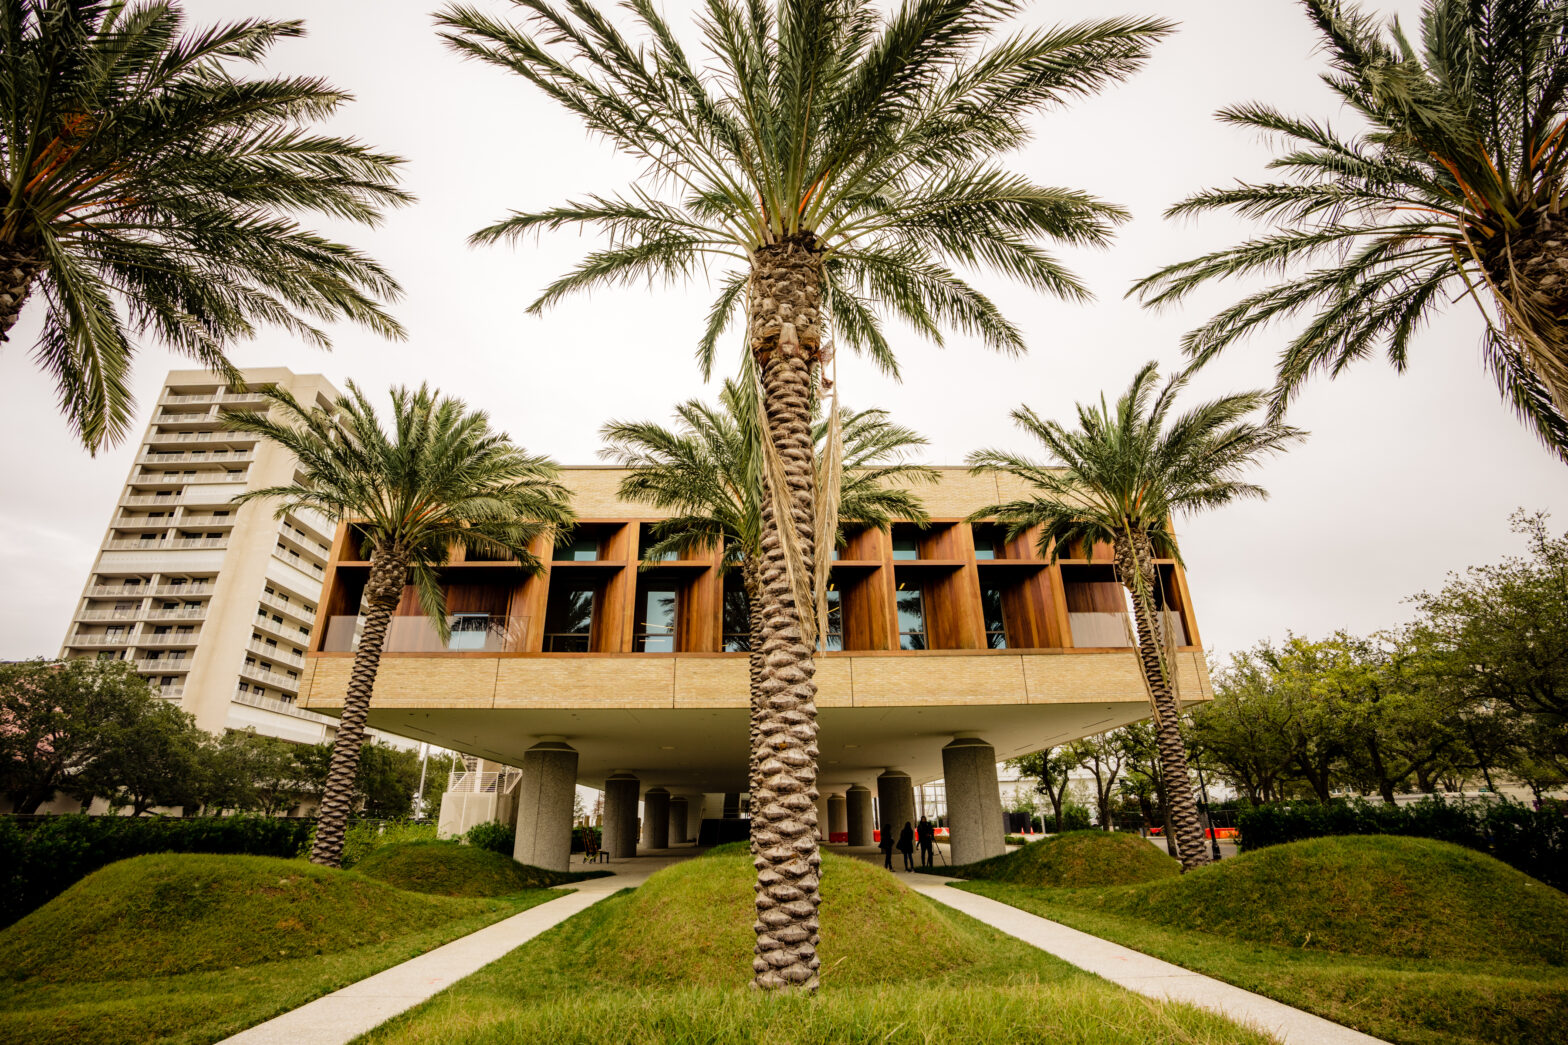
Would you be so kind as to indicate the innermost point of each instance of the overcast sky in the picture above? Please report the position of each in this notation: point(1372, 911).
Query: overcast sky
point(1403, 479)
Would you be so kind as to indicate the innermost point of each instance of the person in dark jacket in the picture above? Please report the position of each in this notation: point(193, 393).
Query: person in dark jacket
point(926, 835)
point(885, 843)
point(906, 845)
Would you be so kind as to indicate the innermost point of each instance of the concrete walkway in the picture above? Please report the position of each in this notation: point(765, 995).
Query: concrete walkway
point(1141, 973)
point(344, 1015)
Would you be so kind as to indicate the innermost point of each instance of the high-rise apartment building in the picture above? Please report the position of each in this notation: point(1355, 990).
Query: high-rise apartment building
point(212, 601)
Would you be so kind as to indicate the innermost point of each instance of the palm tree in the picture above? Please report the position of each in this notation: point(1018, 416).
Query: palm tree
point(1455, 189)
point(708, 471)
point(1123, 478)
point(441, 478)
point(833, 161)
point(149, 190)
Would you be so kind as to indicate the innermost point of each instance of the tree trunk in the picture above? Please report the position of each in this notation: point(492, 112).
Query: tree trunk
point(785, 338)
point(18, 270)
point(388, 574)
point(1135, 567)
point(1530, 269)
point(751, 581)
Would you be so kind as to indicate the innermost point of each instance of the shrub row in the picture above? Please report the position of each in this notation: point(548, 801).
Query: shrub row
point(41, 861)
point(1534, 841)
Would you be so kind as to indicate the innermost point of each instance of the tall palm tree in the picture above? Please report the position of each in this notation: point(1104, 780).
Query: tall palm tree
point(708, 471)
point(1454, 189)
point(833, 161)
point(150, 189)
point(441, 479)
point(1122, 480)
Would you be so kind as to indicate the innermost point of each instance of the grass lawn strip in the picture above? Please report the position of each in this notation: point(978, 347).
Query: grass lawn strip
point(190, 948)
point(1504, 986)
point(670, 962)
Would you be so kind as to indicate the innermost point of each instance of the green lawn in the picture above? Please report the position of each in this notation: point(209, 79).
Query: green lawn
point(189, 948)
point(670, 962)
point(1409, 940)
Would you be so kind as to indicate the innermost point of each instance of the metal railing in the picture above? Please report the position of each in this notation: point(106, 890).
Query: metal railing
point(122, 545)
point(163, 666)
point(467, 780)
point(110, 590)
point(202, 437)
point(195, 456)
point(471, 633)
point(270, 678)
point(298, 609)
point(299, 562)
point(81, 639)
point(282, 707)
point(188, 638)
point(169, 692)
point(181, 613)
point(148, 498)
point(109, 614)
point(149, 521)
point(206, 520)
point(194, 588)
point(197, 479)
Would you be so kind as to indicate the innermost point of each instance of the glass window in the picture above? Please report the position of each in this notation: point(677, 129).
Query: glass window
point(911, 619)
point(737, 619)
point(995, 626)
point(834, 638)
point(906, 547)
point(578, 549)
point(568, 620)
point(654, 629)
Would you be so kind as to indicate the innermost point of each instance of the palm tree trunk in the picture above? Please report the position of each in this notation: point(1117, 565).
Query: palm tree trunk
point(18, 270)
point(785, 338)
point(751, 581)
point(388, 574)
point(1529, 268)
point(1135, 567)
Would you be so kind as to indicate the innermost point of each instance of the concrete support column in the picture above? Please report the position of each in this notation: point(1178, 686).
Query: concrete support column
point(678, 817)
point(838, 816)
point(656, 818)
point(857, 815)
point(822, 816)
point(620, 815)
point(732, 805)
point(974, 802)
point(895, 800)
point(544, 805)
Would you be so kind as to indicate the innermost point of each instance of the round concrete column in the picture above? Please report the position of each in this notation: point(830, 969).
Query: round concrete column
point(656, 818)
point(857, 815)
point(896, 800)
point(974, 802)
point(838, 818)
point(822, 816)
point(544, 805)
point(620, 815)
point(678, 820)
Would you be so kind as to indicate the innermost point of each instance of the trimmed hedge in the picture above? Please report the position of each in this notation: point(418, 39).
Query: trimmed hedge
point(1533, 841)
point(47, 857)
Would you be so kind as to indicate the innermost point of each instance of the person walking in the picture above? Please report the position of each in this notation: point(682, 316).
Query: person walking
point(885, 843)
point(906, 845)
point(926, 834)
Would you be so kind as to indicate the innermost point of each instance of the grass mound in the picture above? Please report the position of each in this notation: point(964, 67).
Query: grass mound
point(175, 913)
point(450, 869)
point(1073, 860)
point(1376, 895)
point(691, 924)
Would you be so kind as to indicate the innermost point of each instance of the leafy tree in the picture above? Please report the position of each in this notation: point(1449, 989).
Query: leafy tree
point(1103, 755)
point(1453, 190)
point(151, 758)
point(386, 781)
point(246, 771)
point(1123, 479)
point(1051, 769)
point(708, 471)
point(56, 722)
point(151, 188)
point(837, 160)
point(442, 478)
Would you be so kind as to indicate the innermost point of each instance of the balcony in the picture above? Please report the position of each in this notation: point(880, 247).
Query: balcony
point(173, 691)
point(197, 457)
point(287, 631)
point(148, 498)
point(182, 613)
point(166, 544)
point(185, 638)
point(194, 588)
point(202, 437)
point(298, 610)
point(269, 678)
point(164, 665)
point(109, 614)
point(278, 653)
point(471, 633)
point(109, 591)
point(299, 562)
point(207, 520)
point(150, 478)
point(282, 707)
point(86, 640)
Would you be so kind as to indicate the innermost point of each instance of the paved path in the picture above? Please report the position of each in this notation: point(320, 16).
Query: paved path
point(344, 1015)
point(1139, 972)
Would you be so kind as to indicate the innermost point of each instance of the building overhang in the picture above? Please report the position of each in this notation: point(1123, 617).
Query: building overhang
point(681, 720)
